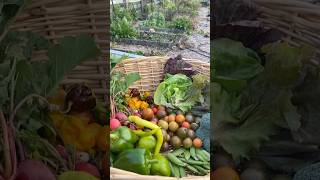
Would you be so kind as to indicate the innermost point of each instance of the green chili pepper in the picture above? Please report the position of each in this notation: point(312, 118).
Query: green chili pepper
point(141, 122)
point(135, 160)
point(121, 139)
point(162, 167)
point(144, 133)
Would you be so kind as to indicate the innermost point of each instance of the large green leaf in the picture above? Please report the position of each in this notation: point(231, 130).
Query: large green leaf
point(70, 52)
point(8, 10)
point(234, 61)
point(283, 63)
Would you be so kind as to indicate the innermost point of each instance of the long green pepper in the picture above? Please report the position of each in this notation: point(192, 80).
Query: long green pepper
point(144, 123)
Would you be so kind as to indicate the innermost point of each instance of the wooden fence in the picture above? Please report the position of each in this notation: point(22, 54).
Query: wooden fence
point(138, 5)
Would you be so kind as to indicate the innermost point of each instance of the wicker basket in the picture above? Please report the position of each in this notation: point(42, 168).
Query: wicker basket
point(55, 19)
point(299, 20)
point(152, 73)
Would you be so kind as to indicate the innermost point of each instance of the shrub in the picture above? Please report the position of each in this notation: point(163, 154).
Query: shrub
point(122, 28)
point(155, 19)
point(183, 23)
point(170, 9)
point(119, 13)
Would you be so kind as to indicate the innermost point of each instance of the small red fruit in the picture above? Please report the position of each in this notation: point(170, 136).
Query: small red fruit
point(185, 125)
point(114, 123)
point(155, 110)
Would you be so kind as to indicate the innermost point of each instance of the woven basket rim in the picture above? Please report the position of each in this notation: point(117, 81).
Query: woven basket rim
point(117, 174)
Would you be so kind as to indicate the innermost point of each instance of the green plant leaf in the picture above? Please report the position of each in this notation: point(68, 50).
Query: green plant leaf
point(233, 61)
point(64, 56)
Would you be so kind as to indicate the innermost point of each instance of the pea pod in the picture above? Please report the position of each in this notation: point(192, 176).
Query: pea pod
point(190, 161)
point(144, 123)
point(201, 170)
point(206, 166)
point(201, 155)
point(175, 160)
point(193, 153)
point(192, 169)
point(179, 151)
point(206, 153)
point(182, 172)
point(187, 155)
point(175, 170)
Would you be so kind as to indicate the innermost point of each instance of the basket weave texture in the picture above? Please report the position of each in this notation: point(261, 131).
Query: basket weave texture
point(55, 19)
point(298, 19)
point(151, 70)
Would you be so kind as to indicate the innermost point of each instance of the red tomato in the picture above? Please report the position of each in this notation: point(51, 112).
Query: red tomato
point(155, 110)
point(185, 125)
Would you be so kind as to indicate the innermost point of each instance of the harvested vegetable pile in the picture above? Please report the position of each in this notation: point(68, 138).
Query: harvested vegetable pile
point(156, 134)
point(264, 112)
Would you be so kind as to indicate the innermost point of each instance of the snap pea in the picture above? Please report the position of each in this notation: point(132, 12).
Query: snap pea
point(206, 166)
point(201, 170)
point(175, 160)
point(179, 151)
point(190, 161)
point(206, 153)
point(193, 153)
point(182, 172)
point(175, 170)
point(201, 155)
point(187, 155)
point(192, 169)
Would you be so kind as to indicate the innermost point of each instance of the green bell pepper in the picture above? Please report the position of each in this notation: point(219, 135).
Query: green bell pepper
point(162, 167)
point(147, 142)
point(135, 160)
point(121, 139)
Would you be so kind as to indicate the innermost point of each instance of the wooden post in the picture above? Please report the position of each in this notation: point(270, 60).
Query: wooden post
point(112, 6)
point(141, 7)
point(125, 3)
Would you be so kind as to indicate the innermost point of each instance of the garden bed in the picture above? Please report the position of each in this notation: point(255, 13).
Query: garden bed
point(155, 37)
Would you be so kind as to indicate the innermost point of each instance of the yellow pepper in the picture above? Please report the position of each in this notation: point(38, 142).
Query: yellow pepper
point(76, 130)
point(88, 138)
point(144, 105)
point(146, 94)
point(102, 138)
